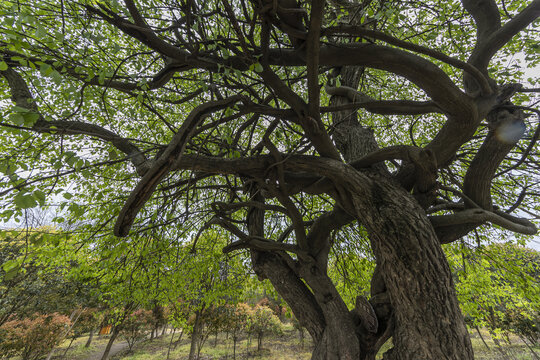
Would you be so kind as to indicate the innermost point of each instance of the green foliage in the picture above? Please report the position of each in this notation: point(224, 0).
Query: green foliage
point(262, 321)
point(104, 102)
point(493, 284)
point(33, 276)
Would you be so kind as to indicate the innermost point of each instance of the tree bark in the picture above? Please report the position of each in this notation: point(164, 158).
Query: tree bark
point(114, 334)
point(428, 321)
point(90, 337)
point(195, 336)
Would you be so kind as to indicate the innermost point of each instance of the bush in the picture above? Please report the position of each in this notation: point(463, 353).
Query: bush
point(34, 337)
point(263, 321)
point(136, 325)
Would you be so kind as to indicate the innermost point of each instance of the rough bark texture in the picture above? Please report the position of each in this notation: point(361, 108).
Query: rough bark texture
point(428, 322)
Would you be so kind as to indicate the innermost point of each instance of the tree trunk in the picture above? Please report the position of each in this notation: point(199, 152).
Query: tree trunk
point(170, 344)
point(428, 321)
point(481, 337)
point(90, 338)
point(195, 336)
point(114, 334)
point(69, 347)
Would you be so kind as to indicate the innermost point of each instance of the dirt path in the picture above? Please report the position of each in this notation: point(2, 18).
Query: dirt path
point(115, 349)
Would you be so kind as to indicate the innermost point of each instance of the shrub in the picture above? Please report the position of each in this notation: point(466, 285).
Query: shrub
point(263, 321)
point(34, 337)
point(136, 325)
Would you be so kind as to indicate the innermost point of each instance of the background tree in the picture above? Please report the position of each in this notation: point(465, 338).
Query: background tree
point(214, 114)
point(263, 321)
point(136, 325)
point(33, 337)
point(493, 287)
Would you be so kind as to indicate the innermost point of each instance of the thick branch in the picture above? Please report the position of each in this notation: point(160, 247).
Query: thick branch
point(319, 233)
point(362, 31)
point(165, 163)
point(506, 128)
point(478, 216)
point(486, 16)
point(312, 52)
point(422, 72)
point(492, 37)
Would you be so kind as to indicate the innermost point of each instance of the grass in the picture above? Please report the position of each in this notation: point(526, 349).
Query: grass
point(286, 347)
point(515, 349)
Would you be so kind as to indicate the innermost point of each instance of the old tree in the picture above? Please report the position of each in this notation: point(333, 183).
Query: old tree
point(284, 122)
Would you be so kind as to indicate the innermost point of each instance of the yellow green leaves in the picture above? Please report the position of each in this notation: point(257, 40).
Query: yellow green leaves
point(11, 269)
point(257, 67)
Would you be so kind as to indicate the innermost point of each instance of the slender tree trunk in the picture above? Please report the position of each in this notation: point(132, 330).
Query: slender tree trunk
point(170, 344)
point(69, 347)
point(534, 354)
point(259, 342)
point(90, 338)
point(73, 313)
point(234, 347)
point(195, 336)
point(179, 338)
point(482, 337)
point(114, 334)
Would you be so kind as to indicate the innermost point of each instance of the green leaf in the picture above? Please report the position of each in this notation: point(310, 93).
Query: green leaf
point(56, 77)
point(17, 119)
point(25, 201)
point(3, 66)
point(258, 67)
point(9, 275)
point(40, 197)
point(40, 31)
point(10, 265)
point(30, 118)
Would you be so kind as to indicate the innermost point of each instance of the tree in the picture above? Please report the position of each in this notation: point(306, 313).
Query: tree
point(136, 325)
point(493, 287)
point(263, 321)
point(29, 286)
point(236, 320)
point(214, 114)
point(32, 337)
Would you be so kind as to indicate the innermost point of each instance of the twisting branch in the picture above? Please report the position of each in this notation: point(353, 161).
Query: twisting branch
point(359, 100)
point(312, 56)
point(362, 31)
point(472, 216)
point(165, 163)
point(255, 242)
point(491, 36)
point(503, 35)
point(21, 96)
point(401, 152)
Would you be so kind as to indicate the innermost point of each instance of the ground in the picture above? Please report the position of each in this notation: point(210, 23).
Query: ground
point(285, 347)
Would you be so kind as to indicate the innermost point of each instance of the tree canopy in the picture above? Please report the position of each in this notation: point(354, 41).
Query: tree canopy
point(311, 131)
